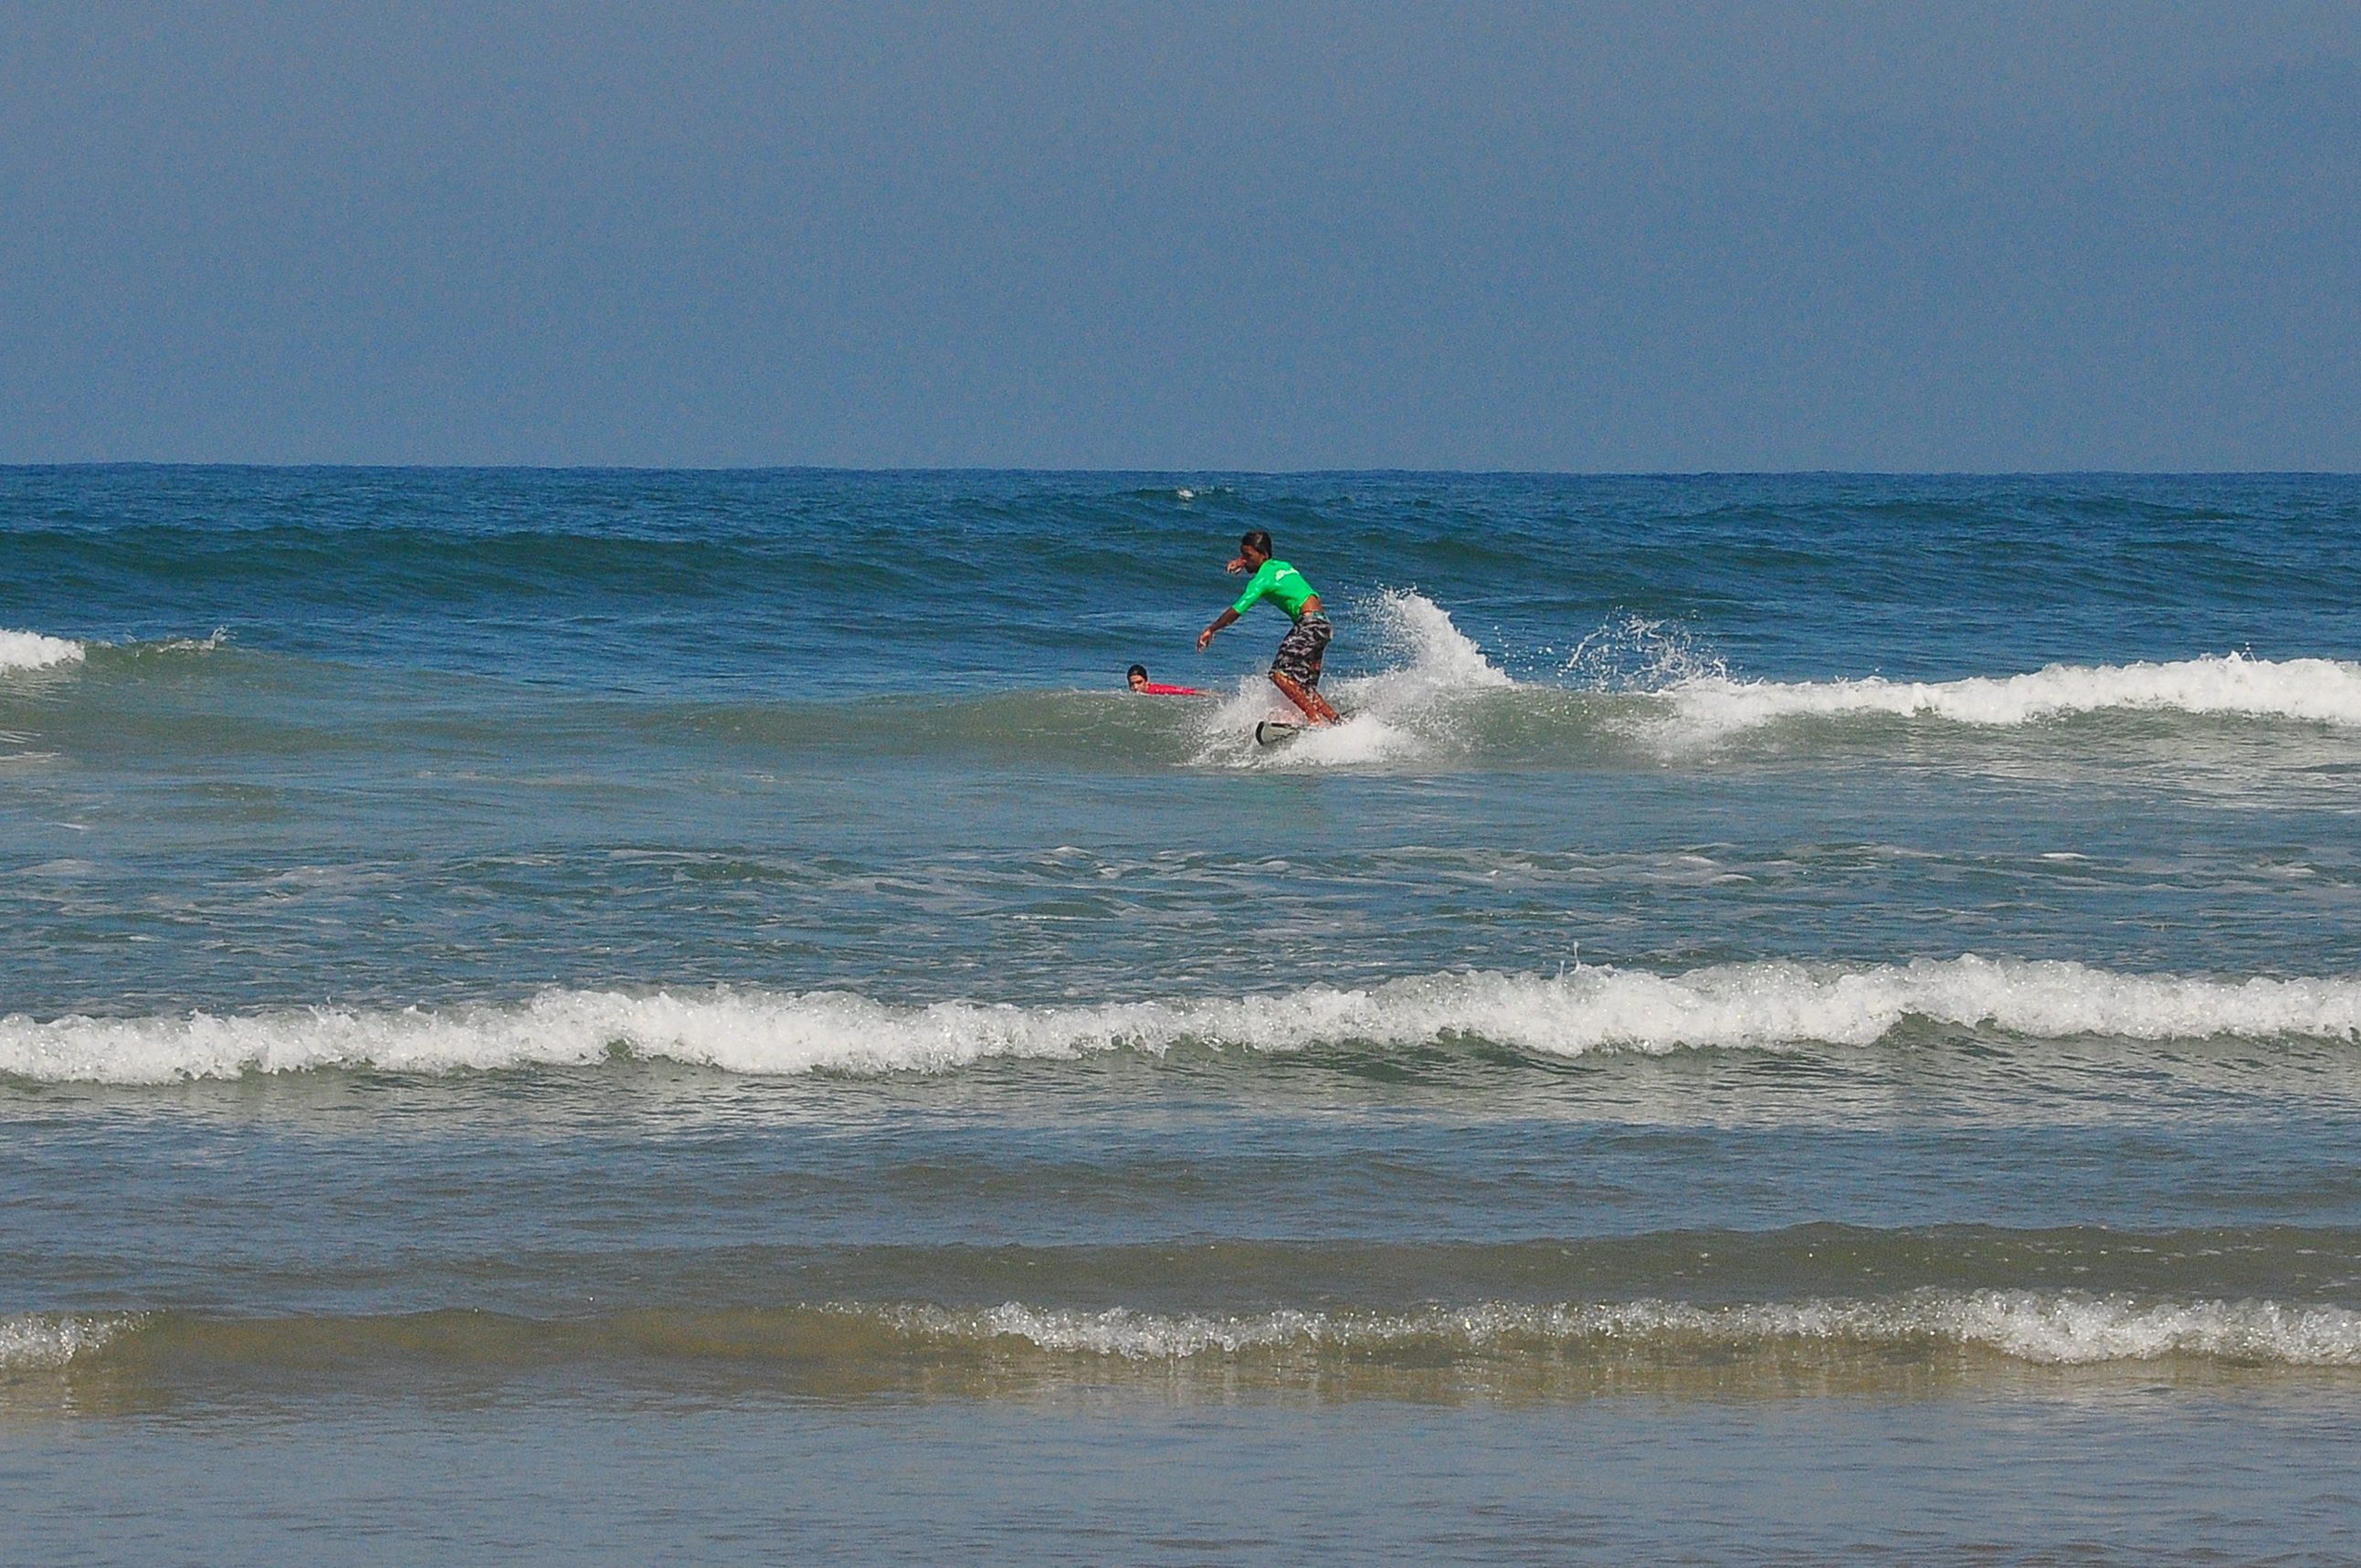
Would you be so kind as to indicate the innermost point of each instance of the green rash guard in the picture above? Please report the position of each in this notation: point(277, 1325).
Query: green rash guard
point(1281, 582)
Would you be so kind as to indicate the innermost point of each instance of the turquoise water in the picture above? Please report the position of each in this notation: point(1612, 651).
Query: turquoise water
point(600, 1014)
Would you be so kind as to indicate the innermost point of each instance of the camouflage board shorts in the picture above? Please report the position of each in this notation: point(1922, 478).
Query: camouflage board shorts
point(1300, 650)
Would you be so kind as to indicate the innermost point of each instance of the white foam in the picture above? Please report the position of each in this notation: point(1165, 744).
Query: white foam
point(2047, 1329)
point(1433, 654)
point(1773, 1004)
point(32, 651)
point(2319, 690)
point(1397, 714)
point(41, 1340)
point(1362, 740)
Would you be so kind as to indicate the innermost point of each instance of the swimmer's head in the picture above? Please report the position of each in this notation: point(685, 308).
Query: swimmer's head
point(1137, 676)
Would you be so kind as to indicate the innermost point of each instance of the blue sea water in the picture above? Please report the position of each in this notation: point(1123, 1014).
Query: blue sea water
point(605, 1015)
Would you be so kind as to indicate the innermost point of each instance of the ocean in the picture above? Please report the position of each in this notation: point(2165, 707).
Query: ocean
point(614, 1016)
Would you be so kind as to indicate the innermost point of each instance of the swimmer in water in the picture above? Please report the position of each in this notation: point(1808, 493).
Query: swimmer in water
point(1137, 678)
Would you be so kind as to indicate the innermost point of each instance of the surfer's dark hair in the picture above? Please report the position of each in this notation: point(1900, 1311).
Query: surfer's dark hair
point(1139, 670)
point(1257, 539)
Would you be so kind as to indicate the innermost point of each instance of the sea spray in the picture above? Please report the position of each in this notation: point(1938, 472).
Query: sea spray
point(1637, 654)
point(35, 651)
point(1401, 712)
point(39, 1340)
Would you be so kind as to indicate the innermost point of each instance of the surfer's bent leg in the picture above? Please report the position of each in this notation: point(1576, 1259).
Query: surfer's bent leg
point(1296, 669)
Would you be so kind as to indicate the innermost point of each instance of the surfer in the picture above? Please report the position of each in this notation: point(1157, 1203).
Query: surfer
point(1137, 676)
point(1295, 668)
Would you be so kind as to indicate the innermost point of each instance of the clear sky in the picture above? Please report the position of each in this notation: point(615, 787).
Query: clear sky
point(1643, 237)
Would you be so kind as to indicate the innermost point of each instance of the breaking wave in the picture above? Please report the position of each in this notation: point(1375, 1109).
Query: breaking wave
point(1438, 699)
point(1400, 713)
point(2322, 691)
point(37, 1340)
point(33, 651)
point(1763, 1006)
point(2061, 1329)
point(2055, 1329)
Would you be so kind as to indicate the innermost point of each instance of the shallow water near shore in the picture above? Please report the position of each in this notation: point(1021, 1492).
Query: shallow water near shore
point(602, 1015)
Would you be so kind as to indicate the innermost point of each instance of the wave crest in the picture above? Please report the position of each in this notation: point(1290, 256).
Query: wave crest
point(2323, 691)
point(2035, 1328)
point(40, 1339)
point(2068, 1330)
point(1764, 1005)
point(33, 651)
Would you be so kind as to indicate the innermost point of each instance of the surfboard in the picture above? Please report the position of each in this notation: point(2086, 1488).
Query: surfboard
point(1271, 731)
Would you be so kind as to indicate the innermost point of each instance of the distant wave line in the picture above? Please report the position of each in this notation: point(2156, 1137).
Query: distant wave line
point(2066, 1329)
point(2056, 1329)
point(1771, 1004)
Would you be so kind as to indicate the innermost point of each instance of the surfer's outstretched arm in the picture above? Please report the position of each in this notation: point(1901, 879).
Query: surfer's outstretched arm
point(1206, 638)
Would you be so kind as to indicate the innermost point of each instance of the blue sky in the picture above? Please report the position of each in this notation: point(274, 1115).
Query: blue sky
point(1572, 237)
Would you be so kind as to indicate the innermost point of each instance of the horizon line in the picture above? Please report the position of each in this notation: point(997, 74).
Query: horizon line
point(960, 468)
